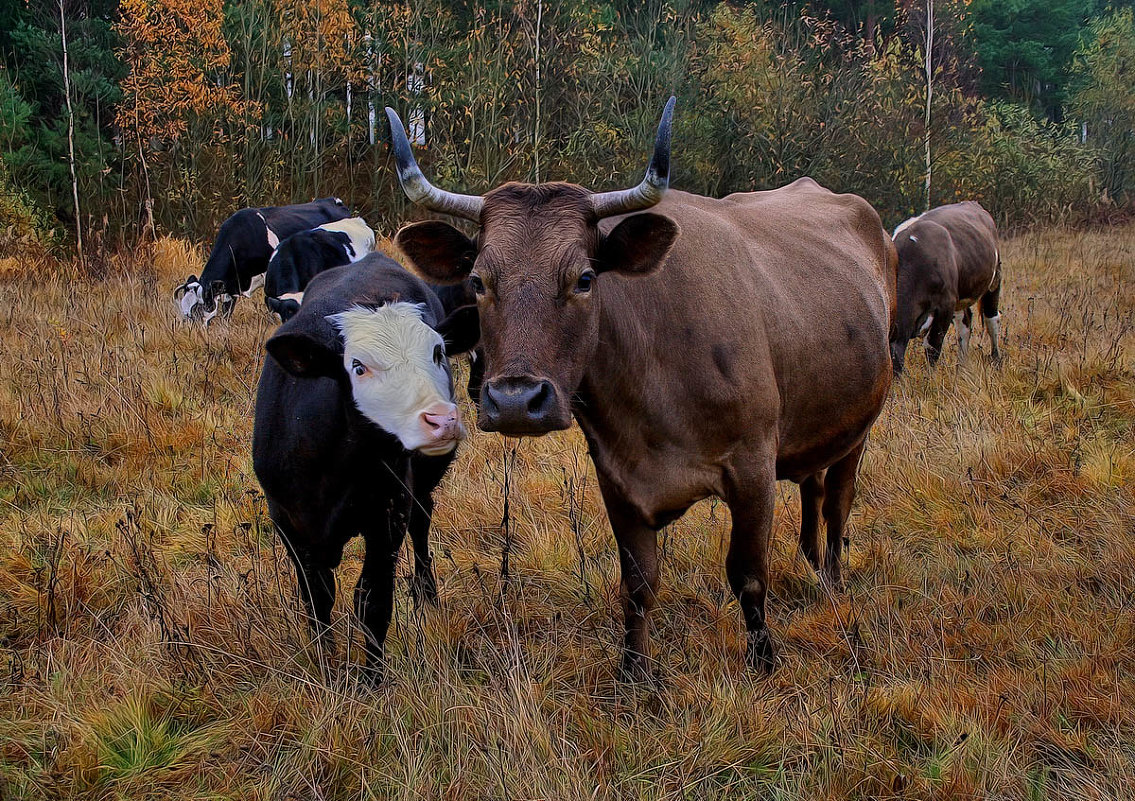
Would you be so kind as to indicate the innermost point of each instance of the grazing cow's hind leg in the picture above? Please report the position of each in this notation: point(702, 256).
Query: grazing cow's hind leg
point(992, 317)
point(839, 492)
point(638, 559)
point(811, 501)
point(752, 498)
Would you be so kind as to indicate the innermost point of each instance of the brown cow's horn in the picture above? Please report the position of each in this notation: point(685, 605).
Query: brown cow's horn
point(415, 185)
point(653, 186)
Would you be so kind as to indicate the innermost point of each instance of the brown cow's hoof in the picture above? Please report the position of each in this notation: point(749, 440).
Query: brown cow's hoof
point(760, 654)
point(832, 579)
point(635, 669)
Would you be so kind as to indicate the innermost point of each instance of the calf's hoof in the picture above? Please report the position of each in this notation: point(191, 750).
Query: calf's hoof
point(373, 673)
point(760, 654)
point(423, 589)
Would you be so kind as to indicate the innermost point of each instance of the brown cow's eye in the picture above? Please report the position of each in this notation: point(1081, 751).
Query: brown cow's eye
point(584, 282)
point(477, 284)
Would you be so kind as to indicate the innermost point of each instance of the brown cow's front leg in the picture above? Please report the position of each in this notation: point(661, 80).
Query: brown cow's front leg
point(811, 501)
point(752, 498)
point(839, 486)
point(638, 558)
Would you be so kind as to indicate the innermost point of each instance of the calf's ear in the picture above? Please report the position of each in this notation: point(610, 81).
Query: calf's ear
point(307, 355)
point(461, 330)
point(439, 252)
point(638, 245)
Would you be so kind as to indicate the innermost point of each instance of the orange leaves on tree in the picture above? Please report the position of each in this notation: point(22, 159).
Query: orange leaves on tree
point(179, 61)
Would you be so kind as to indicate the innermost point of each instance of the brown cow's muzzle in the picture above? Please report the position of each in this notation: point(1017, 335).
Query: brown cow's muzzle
point(522, 406)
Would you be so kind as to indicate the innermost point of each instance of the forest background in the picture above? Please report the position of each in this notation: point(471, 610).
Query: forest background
point(178, 112)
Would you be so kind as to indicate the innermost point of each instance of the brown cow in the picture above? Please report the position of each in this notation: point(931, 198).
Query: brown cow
point(948, 260)
point(751, 348)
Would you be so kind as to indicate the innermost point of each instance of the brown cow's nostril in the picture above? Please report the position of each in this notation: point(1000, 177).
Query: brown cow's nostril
point(538, 400)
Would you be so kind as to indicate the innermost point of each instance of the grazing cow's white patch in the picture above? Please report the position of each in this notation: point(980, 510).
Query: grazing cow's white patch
point(190, 298)
point(903, 225)
point(273, 240)
point(399, 375)
point(256, 283)
point(361, 236)
point(296, 296)
point(926, 325)
point(963, 335)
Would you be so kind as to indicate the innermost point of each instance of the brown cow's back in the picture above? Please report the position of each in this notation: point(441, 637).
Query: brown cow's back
point(770, 315)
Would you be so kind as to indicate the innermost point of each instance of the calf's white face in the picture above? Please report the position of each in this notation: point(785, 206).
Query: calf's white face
point(400, 376)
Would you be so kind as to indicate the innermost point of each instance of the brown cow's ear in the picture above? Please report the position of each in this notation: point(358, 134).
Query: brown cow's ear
point(637, 245)
point(440, 253)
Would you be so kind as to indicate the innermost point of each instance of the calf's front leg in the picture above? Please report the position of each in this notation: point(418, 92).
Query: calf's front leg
point(374, 593)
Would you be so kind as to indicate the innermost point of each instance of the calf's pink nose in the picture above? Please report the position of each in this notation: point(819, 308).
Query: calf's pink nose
point(441, 421)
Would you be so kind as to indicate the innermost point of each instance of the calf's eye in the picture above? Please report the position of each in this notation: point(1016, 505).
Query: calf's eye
point(477, 284)
point(583, 284)
point(358, 368)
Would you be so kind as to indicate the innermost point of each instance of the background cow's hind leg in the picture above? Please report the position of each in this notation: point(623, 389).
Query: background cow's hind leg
point(839, 493)
point(811, 502)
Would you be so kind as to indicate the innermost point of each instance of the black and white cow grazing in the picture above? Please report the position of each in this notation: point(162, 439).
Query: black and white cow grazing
point(241, 251)
point(306, 254)
point(355, 426)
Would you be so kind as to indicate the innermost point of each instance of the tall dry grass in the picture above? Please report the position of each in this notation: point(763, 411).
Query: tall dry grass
point(151, 645)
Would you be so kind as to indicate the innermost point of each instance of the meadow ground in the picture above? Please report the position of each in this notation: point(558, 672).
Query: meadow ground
point(151, 644)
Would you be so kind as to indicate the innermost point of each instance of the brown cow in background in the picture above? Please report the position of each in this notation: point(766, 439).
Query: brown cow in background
point(948, 260)
point(707, 348)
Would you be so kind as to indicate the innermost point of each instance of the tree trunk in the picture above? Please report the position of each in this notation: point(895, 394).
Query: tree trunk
point(71, 134)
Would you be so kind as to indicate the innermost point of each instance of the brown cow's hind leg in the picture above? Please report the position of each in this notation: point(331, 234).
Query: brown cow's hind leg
point(751, 500)
point(811, 501)
point(839, 486)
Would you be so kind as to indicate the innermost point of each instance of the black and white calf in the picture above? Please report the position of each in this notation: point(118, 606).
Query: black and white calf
point(240, 254)
point(355, 426)
point(306, 254)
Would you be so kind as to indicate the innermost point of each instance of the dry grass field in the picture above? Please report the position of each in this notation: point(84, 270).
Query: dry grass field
point(151, 644)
